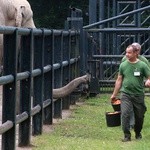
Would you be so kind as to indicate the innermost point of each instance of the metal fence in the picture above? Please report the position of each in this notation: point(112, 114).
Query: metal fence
point(35, 62)
point(104, 62)
point(107, 39)
point(38, 60)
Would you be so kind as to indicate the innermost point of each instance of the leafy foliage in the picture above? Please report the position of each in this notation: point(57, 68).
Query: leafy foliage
point(53, 13)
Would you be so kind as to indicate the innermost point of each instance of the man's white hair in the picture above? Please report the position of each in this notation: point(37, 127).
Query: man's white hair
point(138, 46)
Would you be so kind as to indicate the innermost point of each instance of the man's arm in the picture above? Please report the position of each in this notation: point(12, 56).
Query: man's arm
point(147, 83)
point(144, 59)
point(117, 86)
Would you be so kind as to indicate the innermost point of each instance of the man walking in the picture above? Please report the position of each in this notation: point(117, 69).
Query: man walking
point(130, 82)
point(142, 58)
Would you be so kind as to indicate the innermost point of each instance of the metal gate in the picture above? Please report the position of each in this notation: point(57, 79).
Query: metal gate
point(117, 24)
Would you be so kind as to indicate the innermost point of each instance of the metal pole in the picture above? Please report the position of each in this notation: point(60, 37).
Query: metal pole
point(116, 17)
point(92, 11)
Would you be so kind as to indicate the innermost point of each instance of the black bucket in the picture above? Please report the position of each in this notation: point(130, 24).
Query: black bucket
point(116, 104)
point(116, 107)
point(113, 119)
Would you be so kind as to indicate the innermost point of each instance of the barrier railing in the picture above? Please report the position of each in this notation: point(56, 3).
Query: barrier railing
point(35, 62)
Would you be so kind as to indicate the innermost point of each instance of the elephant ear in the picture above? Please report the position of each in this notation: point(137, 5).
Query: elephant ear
point(18, 16)
point(27, 17)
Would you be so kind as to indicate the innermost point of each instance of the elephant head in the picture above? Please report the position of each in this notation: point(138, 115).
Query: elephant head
point(17, 13)
point(27, 17)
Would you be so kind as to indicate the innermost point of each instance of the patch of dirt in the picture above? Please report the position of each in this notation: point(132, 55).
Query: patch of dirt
point(65, 115)
point(50, 128)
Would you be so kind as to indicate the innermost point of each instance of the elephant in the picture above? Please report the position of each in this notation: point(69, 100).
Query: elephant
point(70, 87)
point(65, 90)
point(16, 13)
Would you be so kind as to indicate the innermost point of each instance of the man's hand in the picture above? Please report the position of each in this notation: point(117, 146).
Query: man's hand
point(147, 83)
point(112, 97)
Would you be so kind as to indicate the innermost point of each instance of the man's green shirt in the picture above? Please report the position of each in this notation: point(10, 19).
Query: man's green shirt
point(140, 57)
point(133, 76)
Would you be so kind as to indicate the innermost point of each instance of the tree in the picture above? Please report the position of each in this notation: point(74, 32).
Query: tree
point(53, 13)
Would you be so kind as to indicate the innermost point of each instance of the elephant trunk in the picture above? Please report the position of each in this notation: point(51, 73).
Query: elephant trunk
point(70, 87)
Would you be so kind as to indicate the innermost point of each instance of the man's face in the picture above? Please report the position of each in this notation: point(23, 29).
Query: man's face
point(130, 54)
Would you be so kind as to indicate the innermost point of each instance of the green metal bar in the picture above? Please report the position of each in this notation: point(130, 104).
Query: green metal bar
point(25, 89)
point(9, 90)
point(116, 17)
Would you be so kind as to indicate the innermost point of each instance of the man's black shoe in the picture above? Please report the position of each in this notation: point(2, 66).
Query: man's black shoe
point(138, 136)
point(126, 139)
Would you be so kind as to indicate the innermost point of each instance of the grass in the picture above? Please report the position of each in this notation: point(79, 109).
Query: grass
point(86, 129)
